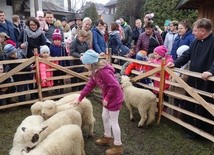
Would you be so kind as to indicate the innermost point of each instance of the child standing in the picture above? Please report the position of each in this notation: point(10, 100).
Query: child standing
point(159, 53)
point(58, 50)
point(102, 74)
point(44, 73)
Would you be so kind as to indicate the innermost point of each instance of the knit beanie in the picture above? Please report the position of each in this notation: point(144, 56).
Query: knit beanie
point(57, 35)
point(161, 50)
point(181, 50)
point(90, 57)
point(142, 55)
point(9, 49)
point(43, 49)
point(39, 13)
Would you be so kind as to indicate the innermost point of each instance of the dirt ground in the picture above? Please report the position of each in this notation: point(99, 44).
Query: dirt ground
point(164, 139)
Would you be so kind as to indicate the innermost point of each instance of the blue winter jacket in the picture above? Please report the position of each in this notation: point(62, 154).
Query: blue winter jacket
point(114, 42)
point(8, 28)
point(187, 39)
point(98, 44)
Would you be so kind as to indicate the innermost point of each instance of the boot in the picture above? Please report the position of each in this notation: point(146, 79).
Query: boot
point(104, 141)
point(115, 150)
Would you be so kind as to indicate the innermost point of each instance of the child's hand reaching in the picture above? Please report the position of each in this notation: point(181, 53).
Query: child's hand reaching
point(75, 102)
point(105, 103)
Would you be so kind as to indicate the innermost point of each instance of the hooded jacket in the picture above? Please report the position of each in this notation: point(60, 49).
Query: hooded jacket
point(105, 79)
point(114, 42)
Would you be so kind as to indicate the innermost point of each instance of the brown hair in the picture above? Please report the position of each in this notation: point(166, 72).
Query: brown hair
point(99, 21)
point(82, 33)
point(186, 24)
point(204, 23)
point(32, 19)
point(149, 24)
point(114, 26)
point(15, 18)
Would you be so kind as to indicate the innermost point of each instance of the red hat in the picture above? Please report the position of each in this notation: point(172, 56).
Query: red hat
point(161, 50)
point(56, 35)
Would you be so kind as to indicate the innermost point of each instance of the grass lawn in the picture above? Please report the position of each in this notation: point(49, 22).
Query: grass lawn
point(165, 139)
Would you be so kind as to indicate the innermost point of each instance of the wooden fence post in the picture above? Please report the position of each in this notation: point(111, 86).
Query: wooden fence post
point(109, 55)
point(38, 74)
point(161, 89)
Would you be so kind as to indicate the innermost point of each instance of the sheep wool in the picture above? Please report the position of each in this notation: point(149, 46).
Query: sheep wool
point(18, 140)
point(142, 99)
point(69, 142)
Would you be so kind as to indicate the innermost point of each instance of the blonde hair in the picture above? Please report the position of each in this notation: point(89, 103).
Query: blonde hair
point(86, 19)
point(95, 66)
point(82, 33)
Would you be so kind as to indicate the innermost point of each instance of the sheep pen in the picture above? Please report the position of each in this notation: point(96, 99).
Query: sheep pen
point(167, 138)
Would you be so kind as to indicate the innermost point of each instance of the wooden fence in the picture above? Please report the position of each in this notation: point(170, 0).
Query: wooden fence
point(194, 94)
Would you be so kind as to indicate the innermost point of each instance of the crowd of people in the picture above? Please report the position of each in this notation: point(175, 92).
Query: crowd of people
point(145, 42)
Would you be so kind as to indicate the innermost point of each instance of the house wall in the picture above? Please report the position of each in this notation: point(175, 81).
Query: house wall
point(7, 9)
point(206, 10)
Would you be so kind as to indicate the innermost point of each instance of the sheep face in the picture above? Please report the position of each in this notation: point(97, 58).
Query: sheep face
point(36, 108)
point(125, 81)
point(31, 136)
point(48, 109)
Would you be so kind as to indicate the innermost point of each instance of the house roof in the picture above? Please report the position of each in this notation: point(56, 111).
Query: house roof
point(189, 4)
point(49, 6)
point(111, 2)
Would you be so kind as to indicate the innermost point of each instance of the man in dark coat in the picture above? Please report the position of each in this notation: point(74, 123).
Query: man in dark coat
point(201, 56)
point(7, 26)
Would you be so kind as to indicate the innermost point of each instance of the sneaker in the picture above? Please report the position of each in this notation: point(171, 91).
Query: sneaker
point(115, 150)
point(104, 141)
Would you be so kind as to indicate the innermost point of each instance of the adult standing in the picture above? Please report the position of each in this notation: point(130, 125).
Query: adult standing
point(137, 30)
point(31, 37)
point(201, 56)
point(17, 26)
point(76, 28)
point(86, 25)
point(127, 31)
point(184, 37)
point(99, 44)
point(6, 26)
point(49, 18)
point(171, 35)
point(149, 39)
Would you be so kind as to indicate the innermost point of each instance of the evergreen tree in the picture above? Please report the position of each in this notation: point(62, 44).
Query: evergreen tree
point(91, 12)
point(163, 9)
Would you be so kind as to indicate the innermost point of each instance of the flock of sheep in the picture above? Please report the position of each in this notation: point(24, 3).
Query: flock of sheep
point(55, 127)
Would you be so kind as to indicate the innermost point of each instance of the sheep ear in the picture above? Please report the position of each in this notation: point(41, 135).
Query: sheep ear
point(23, 129)
point(43, 129)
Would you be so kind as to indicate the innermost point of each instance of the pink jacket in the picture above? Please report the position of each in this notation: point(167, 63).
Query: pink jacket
point(44, 75)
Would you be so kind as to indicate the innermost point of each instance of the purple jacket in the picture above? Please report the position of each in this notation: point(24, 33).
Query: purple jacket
point(111, 90)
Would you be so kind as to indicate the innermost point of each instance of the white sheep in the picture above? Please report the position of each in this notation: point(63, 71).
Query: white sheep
point(49, 108)
point(67, 140)
point(36, 108)
point(53, 123)
point(142, 99)
point(18, 141)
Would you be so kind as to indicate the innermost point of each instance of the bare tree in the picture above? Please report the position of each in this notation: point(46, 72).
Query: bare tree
point(77, 4)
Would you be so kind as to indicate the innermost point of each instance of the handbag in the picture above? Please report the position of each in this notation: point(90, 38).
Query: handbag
point(24, 50)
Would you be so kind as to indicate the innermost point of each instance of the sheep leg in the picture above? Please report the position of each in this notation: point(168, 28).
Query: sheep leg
point(151, 113)
point(143, 115)
point(91, 129)
point(128, 105)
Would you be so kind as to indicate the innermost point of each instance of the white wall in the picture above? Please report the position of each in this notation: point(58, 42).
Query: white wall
point(7, 9)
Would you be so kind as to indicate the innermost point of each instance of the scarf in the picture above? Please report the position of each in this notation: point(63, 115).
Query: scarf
point(33, 34)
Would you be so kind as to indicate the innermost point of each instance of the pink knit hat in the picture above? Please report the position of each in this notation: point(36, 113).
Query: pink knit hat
point(161, 50)
point(56, 35)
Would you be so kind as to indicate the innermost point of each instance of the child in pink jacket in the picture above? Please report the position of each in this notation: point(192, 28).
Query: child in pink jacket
point(44, 69)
